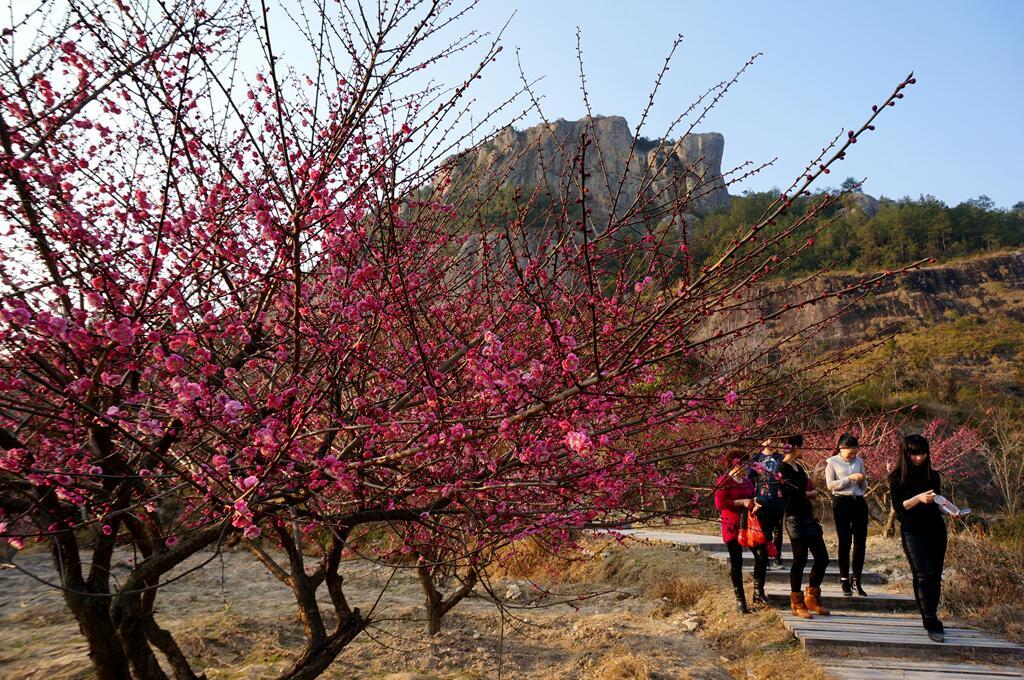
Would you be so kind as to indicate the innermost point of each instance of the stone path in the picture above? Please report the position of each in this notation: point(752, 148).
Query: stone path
point(879, 636)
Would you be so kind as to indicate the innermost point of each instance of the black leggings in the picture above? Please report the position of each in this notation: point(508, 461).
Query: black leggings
point(760, 565)
point(735, 563)
point(851, 515)
point(926, 553)
point(801, 544)
point(770, 526)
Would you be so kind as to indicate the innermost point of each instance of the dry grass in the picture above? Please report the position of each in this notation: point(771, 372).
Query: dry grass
point(984, 583)
point(533, 559)
point(755, 646)
point(229, 639)
point(682, 591)
point(621, 664)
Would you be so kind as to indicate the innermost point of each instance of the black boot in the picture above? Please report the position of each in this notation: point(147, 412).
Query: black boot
point(844, 583)
point(857, 588)
point(741, 600)
point(759, 597)
point(760, 573)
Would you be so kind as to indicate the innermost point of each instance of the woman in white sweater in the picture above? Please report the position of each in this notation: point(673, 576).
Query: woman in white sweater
point(844, 476)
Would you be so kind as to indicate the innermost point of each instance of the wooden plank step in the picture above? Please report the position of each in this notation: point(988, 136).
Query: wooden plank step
point(776, 574)
point(880, 621)
point(716, 550)
point(920, 648)
point(833, 598)
point(890, 645)
point(823, 626)
point(903, 669)
point(787, 559)
point(842, 635)
point(831, 576)
point(787, 556)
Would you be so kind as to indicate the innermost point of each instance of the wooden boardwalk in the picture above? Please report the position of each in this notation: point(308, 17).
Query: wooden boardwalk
point(879, 636)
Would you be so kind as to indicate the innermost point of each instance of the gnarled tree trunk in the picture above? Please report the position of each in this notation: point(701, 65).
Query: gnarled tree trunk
point(435, 604)
point(890, 525)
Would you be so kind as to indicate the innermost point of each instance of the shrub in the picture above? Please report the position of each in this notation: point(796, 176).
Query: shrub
point(984, 582)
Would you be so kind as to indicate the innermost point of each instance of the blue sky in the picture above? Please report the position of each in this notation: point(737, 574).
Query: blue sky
point(956, 135)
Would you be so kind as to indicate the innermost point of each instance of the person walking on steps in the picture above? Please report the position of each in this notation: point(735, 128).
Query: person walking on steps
point(804, 531)
point(913, 487)
point(734, 495)
point(844, 477)
point(764, 473)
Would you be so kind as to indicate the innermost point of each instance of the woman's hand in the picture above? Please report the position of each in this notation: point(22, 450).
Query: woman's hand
point(747, 503)
point(923, 497)
point(813, 493)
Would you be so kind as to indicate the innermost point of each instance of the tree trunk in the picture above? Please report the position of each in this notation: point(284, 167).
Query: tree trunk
point(165, 642)
point(131, 609)
point(435, 605)
point(432, 600)
point(105, 650)
point(90, 605)
point(131, 620)
point(434, 615)
point(890, 525)
point(315, 659)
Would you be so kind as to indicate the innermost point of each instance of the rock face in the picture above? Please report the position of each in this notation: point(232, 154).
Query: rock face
point(659, 171)
point(858, 201)
point(920, 298)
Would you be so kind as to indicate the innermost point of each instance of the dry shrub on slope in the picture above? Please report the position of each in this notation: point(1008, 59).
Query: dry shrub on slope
point(984, 583)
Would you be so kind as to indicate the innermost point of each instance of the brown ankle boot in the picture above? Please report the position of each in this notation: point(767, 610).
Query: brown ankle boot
point(813, 601)
point(796, 602)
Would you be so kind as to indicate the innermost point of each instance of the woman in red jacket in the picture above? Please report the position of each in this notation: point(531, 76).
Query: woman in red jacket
point(734, 494)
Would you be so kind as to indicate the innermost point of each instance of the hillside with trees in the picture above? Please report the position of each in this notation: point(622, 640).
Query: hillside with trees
point(867, 235)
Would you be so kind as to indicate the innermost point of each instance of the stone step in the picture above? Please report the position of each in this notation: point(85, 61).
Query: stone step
point(833, 598)
point(841, 635)
point(903, 669)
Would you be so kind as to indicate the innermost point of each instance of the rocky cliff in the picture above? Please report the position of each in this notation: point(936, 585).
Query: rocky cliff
point(984, 286)
point(954, 333)
point(659, 171)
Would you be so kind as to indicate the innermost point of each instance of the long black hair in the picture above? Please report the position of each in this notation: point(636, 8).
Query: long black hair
point(905, 468)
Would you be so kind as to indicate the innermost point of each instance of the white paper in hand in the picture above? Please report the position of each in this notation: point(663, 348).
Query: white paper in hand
point(947, 507)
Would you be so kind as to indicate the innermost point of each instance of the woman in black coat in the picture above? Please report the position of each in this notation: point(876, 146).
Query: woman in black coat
point(913, 486)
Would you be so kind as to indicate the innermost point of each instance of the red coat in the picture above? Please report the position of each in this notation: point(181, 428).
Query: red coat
point(728, 490)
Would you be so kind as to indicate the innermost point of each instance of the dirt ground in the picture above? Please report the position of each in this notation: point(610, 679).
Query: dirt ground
point(636, 612)
point(236, 621)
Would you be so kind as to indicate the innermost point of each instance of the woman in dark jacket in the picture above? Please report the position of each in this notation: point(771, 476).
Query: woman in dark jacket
point(913, 486)
point(734, 495)
point(804, 531)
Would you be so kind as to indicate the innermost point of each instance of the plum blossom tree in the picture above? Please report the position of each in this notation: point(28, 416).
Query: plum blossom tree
point(240, 304)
